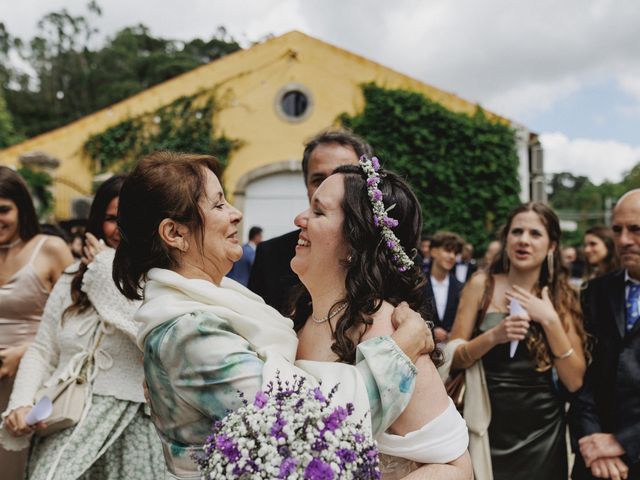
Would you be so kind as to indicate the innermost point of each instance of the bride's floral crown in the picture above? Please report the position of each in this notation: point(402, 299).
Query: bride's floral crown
point(381, 218)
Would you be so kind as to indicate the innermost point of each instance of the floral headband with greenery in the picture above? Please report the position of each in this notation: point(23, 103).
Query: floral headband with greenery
point(381, 219)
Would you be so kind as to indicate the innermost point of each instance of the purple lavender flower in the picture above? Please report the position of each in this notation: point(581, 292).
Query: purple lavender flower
point(318, 470)
point(276, 429)
point(376, 194)
point(376, 221)
point(227, 447)
point(359, 437)
point(346, 455)
point(375, 163)
point(287, 467)
point(318, 395)
point(261, 399)
point(335, 419)
point(371, 181)
point(402, 269)
point(319, 445)
point(391, 244)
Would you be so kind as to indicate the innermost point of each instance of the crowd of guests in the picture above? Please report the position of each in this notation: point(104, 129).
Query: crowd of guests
point(159, 268)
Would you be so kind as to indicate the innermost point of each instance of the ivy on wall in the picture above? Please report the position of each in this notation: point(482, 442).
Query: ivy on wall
point(463, 169)
point(186, 125)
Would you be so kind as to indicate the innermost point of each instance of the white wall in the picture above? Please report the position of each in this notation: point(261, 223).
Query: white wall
point(272, 202)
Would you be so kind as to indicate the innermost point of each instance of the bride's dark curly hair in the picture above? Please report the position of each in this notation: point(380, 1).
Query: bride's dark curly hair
point(371, 274)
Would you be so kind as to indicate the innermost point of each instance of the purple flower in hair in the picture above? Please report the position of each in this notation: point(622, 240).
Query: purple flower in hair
point(391, 222)
point(376, 195)
point(376, 221)
point(376, 163)
point(371, 181)
point(391, 244)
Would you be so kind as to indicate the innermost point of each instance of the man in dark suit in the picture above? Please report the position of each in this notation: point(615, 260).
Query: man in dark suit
point(605, 413)
point(442, 291)
point(466, 266)
point(271, 274)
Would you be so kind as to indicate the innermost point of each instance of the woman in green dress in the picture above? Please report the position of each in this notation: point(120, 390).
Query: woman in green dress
point(527, 426)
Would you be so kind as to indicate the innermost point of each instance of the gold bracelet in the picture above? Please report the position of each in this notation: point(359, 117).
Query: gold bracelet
point(566, 354)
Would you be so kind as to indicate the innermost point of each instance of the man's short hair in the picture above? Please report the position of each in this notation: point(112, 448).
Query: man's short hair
point(448, 240)
point(254, 232)
point(341, 137)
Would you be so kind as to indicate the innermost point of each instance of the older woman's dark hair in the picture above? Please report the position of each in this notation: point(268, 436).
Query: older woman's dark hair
point(611, 262)
point(13, 187)
point(371, 274)
point(162, 185)
point(106, 192)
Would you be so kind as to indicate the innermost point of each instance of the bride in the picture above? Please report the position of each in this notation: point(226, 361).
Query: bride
point(352, 262)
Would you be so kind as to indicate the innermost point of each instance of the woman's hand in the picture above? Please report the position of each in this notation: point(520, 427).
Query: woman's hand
point(412, 334)
point(92, 247)
point(16, 423)
point(10, 360)
point(512, 327)
point(540, 310)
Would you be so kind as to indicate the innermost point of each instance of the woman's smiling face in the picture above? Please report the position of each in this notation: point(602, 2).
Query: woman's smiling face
point(321, 246)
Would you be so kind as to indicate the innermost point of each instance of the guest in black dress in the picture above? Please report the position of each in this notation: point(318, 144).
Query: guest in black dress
point(527, 428)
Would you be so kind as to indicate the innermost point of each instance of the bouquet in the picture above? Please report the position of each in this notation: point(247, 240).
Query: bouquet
point(290, 431)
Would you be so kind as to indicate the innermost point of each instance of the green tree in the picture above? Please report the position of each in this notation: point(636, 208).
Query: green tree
point(8, 135)
point(462, 168)
point(73, 78)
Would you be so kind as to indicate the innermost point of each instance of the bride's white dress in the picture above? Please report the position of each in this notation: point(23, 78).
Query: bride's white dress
point(442, 440)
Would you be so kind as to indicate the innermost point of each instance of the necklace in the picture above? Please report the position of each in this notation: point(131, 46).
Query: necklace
point(7, 246)
point(330, 316)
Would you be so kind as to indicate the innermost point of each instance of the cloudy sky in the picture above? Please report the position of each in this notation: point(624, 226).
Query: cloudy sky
point(568, 70)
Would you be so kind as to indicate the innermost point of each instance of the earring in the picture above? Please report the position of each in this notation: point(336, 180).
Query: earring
point(550, 266)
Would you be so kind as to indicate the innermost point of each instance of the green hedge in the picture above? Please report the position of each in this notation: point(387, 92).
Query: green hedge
point(463, 169)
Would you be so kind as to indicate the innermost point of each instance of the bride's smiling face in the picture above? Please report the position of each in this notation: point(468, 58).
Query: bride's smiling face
point(321, 246)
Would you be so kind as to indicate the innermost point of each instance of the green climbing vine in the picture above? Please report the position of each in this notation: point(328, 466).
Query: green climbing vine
point(185, 125)
point(462, 168)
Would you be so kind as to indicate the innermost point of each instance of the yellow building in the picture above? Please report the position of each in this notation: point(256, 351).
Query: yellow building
point(272, 97)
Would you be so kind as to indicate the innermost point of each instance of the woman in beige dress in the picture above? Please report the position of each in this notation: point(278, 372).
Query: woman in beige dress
point(30, 264)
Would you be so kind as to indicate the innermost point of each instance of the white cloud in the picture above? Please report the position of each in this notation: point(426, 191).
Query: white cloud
point(515, 58)
point(598, 160)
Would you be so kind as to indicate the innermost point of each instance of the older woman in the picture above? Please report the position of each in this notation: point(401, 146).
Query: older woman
point(205, 336)
point(30, 264)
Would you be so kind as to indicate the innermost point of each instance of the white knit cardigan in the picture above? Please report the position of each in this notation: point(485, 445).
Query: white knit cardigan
point(62, 344)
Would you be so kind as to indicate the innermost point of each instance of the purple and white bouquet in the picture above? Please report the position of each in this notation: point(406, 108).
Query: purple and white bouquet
point(290, 431)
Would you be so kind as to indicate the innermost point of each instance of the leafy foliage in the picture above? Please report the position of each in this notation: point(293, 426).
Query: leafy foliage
point(74, 78)
point(185, 125)
point(576, 198)
point(8, 135)
point(39, 183)
point(463, 169)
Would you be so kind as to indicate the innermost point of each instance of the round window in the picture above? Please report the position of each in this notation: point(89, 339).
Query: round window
point(294, 103)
